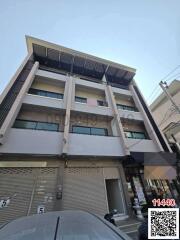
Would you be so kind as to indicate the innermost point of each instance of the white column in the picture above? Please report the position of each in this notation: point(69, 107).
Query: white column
point(116, 121)
point(69, 94)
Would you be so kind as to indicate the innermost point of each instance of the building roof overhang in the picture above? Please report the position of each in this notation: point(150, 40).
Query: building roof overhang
point(78, 63)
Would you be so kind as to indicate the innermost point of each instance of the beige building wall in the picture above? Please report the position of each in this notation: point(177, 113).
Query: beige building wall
point(43, 116)
point(133, 126)
point(89, 120)
point(90, 94)
point(165, 114)
point(124, 101)
point(40, 85)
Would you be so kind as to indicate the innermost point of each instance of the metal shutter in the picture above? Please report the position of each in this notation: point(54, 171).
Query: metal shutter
point(45, 190)
point(33, 186)
point(84, 189)
point(15, 181)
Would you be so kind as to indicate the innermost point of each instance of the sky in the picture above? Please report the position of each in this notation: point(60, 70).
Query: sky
point(143, 34)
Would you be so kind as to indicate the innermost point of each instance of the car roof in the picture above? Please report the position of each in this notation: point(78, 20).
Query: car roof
point(59, 225)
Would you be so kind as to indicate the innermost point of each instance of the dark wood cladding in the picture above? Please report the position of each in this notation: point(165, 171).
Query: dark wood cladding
point(11, 96)
point(154, 125)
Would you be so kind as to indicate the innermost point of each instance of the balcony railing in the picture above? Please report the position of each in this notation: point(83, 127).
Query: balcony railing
point(36, 100)
point(27, 141)
point(91, 145)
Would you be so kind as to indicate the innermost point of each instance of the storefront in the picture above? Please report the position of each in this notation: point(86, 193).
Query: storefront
point(148, 189)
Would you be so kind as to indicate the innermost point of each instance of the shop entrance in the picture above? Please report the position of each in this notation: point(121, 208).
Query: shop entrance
point(115, 195)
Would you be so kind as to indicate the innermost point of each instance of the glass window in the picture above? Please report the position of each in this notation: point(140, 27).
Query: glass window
point(128, 134)
point(45, 93)
point(25, 124)
point(135, 135)
point(125, 107)
point(47, 126)
point(81, 130)
point(99, 131)
point(36, 125)
point(100, 103)
point(41, 93)
point(119, 106)
point(139, 135)
point(60, 95)
point(80, 99)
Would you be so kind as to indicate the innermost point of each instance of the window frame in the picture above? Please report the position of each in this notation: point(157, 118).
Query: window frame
point(36, 124)
point(80, 98)
point(126, 107)
point(103, 102)
point(90, 128)
point(46, 93)
point(132, 133)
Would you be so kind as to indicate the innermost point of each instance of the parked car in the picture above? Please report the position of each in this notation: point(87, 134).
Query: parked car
point(62, 225)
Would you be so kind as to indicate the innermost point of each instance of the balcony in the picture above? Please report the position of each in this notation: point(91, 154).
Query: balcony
point(90, 84)
point(91, 145)
point(42, 101)
point(98, 110)
point(130, 115)
point(141, 145)
point(26, 141)
point(122, 91)
point(51, 75)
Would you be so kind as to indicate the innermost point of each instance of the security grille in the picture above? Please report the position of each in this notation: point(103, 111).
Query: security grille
point(84, 189)
point(29, 188)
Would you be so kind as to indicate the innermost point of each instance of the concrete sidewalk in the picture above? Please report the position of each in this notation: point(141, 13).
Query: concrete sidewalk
point(130, 227)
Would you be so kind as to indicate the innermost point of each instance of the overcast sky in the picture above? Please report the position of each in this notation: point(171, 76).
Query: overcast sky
point(144, 34)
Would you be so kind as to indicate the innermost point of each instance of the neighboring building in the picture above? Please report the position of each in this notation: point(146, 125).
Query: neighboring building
point(165, 114)
point(168, 119)
point(74, 129)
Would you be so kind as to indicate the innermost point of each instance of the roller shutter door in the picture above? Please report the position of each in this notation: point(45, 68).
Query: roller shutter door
point(32, 186)
point(84, 189)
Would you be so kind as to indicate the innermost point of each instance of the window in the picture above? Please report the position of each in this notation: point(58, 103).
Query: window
point(25, 124)
point(90, 130)
point(139, 135)
point(47, 126)
point(125, 107)
point(80, 99)
point(135, 135)
point(81, 130)
point(101, 103)
point(45, 93)
point(99, 131)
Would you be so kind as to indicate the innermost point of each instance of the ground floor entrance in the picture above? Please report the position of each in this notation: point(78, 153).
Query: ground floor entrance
point(97, 190)
point(96, 187)
point(147, 189)
point(115, 195)
point(28, 189)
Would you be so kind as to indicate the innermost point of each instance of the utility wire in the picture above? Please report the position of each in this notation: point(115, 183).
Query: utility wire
point(157, 86)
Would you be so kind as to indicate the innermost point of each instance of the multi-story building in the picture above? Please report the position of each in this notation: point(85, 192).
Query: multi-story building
point(168, 122)
point(168, 119)
point(73, 130)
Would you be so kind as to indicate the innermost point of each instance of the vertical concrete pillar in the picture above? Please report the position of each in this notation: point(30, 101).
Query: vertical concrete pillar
point(59, 186)
point(68, 100)
point(13, 112)
point(116, 122)
point(125, 191)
